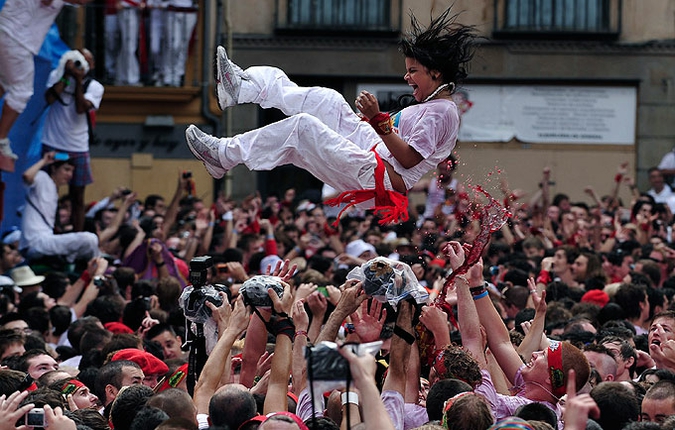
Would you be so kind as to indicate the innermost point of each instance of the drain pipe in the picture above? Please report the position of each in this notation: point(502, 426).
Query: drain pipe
point(207, 70)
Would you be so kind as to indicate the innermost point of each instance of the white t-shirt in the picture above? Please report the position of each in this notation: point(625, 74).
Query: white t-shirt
point(28, 21)
point(64, 128)
point(431, 129)
point(38, 218)
point(666, 196)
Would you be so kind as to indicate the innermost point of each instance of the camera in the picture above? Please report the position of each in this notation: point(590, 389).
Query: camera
point(77, 64)
point(126, 192)
point(254, 290)
point(325, 363)
point(99, 281)
point(35, 418)
point(194, 297)
point(187, 174)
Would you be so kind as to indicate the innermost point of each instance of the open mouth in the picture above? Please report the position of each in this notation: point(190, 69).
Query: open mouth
point(656, 342)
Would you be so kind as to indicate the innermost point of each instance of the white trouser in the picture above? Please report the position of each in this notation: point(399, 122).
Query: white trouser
point(157, 18)
point(17, 71)
point(112, 43)
point(177, 35)
point(321, 135)
point(72, 246)
point(128, 69)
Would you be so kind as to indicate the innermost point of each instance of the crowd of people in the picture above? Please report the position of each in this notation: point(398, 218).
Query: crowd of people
point(588, 284)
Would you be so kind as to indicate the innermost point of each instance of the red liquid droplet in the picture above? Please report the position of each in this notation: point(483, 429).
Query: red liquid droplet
point(492, 217)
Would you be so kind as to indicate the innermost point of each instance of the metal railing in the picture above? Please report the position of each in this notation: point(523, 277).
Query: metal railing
point(339, 15)
point(590, 19)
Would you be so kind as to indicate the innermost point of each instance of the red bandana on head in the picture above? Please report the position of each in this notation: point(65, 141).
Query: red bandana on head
point(555, 368)
point(71, 386)
point(175, 379)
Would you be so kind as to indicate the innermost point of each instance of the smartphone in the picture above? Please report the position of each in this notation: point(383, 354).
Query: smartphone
point(61, 156)
point(322, 290)
point(35, 418)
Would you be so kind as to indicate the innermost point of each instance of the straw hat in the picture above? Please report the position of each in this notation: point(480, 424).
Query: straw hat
point(25, 277)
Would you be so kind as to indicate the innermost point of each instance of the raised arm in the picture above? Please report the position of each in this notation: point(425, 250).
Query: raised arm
point(29, 175)
point(363, 369)
point(231, 323)
point(351, 298)
point(535, 340)
point(282, 327)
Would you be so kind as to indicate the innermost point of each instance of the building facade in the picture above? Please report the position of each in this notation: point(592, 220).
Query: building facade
point(579, 86)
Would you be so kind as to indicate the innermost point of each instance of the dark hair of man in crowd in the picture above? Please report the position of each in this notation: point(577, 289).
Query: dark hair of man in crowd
point(158, 329)
point(10, 381)
point(9, 337)
point(111, 374)
point(176, 403)
point(91, 418)
point(127, 404)
point(626, 350)
point(106, 308)
point(231, 406)
point(469, 412)
point(536, 411)
point(618, 405)
point(442, 391)
point(134, 313)
point(55, 284)
point(125, 277)
point(121, 341)
point(629, 297)
point(60, 316)
point(23, 364)
point(45, 396)
point(95, 339)
point(148, 418)
point(79, 327)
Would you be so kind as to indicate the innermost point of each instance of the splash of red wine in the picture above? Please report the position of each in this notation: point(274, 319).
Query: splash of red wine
point(492, 217)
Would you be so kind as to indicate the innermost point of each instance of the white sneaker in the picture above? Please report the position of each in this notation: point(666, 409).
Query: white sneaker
point(6, 149)
point(205, 148)
point(228, 79)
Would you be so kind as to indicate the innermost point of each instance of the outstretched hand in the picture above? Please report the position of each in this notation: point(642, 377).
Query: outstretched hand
point(368, 323)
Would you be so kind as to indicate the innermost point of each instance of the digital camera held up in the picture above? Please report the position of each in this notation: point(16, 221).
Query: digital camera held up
point(194, 297)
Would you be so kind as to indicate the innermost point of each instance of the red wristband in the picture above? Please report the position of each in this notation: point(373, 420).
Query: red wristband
point(618, 177)
point(544, 277)
point(86, 277)
point(382, 123)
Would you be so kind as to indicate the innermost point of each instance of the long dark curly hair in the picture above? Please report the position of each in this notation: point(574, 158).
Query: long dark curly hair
point(445, 45)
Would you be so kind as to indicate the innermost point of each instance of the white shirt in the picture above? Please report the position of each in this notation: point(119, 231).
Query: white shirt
point(38, 218)
point(64, 128)
point(430, 128)
point(28, 21)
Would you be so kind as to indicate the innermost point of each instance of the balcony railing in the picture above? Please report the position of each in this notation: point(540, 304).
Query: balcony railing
point(558, 19)
point(341, 16)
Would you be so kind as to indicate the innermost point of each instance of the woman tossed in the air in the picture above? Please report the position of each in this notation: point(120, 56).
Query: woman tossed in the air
point(381, 158)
